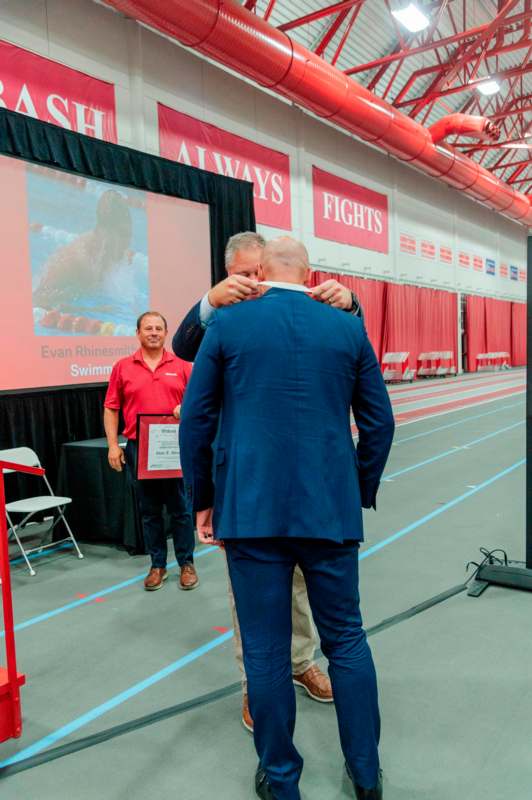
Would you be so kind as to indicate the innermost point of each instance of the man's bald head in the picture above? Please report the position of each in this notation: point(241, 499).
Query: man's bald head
point(285, 259)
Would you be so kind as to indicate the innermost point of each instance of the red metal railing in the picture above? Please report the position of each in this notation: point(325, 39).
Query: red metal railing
point(10, 679)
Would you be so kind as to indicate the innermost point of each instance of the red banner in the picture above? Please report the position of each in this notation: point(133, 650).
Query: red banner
point(198, 144)
point(428, 249)
point(464, 259)
point(407, 244)
point(348, 213)
point(48, 91)
point(478, 264)
point(503, 270)
point(446, 254)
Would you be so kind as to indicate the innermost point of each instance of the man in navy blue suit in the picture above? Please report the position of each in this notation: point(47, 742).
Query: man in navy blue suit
point(288, 489)
point(243, 254)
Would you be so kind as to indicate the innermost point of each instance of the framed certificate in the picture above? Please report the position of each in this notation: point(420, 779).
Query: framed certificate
point(158, 447)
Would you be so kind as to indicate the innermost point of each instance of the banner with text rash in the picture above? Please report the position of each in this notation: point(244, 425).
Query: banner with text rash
point(51, 92)
point(81, 260)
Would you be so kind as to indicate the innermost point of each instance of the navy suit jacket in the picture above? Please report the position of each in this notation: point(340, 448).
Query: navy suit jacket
point(188, 337)
point(285, 371)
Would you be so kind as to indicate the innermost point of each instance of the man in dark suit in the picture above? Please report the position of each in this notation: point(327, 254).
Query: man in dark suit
point(243, 254)
point(288, 490)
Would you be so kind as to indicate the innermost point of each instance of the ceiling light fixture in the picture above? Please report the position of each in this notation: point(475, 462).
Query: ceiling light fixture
point(412, 18)
point(488, 87)
point(517, 146)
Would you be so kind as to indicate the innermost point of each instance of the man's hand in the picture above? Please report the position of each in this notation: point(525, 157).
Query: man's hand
point(233, 289)
point(177, 412)
point(116, 457)
point(204, 527)
point(334, 294)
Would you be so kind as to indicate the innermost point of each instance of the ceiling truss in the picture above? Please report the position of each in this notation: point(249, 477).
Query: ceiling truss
point(466, 42)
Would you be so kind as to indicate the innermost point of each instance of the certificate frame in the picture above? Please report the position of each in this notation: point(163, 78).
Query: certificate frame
point(144, 425)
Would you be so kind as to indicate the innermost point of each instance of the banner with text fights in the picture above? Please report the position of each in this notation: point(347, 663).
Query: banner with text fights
point(46, 90)
point(347, 213)
point(189, 141)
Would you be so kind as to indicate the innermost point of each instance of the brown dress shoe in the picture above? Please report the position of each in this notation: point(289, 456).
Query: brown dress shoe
point(155, 578)
point(316, 684)
point(247, 719)
point(188, 578)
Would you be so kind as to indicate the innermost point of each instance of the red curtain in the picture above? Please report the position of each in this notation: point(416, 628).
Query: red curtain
point(475, 329)
point(498, 326)
point(372, 296)
point(400, 322)
point(518, 350)
point(420, 320)
point(437, 316)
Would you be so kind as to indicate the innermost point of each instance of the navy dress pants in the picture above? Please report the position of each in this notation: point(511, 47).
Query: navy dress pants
point(152, 497)
point(261, 575)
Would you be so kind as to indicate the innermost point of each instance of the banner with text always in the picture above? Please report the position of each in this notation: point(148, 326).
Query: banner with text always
point(189, 141)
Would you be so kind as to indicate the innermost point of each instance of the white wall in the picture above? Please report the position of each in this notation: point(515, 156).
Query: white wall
point(147, 68)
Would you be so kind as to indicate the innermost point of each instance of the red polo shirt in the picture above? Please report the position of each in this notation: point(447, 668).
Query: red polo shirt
point(135, 389)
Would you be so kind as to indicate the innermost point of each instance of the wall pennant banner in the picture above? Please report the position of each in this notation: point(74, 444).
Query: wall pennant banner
point(464, 259)
point(51, 92)
point(348, 213)
point(446, 254)
point(407, 244)
point(189, 141)
point(428, 249)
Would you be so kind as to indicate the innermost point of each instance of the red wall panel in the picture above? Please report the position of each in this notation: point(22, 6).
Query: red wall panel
point(518, 334)
point(475, 329)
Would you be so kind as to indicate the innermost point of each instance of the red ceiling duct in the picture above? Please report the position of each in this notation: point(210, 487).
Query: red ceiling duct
point(464, 125)
point(226, 32)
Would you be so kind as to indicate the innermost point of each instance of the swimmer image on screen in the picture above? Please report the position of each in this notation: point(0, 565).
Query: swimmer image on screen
point(89, 257)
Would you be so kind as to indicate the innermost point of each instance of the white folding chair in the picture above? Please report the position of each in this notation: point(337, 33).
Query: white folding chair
point(33, 505)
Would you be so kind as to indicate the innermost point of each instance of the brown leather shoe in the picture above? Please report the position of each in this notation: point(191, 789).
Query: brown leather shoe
point(316, 684)
point(155, 578)
point(247, 719)
point(188, 578)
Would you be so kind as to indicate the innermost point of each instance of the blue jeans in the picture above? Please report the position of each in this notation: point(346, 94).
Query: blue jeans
point(261, 575)
point(152, 497)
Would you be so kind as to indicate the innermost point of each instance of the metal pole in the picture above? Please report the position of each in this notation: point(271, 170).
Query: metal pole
point(8, 617)
point(529, 411)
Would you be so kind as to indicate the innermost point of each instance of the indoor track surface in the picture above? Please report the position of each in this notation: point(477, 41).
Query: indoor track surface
point(454, 680)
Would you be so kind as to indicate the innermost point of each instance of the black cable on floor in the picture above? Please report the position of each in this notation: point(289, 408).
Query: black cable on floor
point(119, 730)
point(197, 702)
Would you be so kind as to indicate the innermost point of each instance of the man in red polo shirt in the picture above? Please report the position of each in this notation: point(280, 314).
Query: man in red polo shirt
point(152, 381)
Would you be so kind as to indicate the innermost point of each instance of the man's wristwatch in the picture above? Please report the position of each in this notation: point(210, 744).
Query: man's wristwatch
point(355, 308)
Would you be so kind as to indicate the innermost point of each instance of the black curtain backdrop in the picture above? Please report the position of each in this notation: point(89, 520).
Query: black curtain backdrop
point(47, 418)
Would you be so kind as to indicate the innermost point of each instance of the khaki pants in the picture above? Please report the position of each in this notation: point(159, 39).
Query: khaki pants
point(303, 632)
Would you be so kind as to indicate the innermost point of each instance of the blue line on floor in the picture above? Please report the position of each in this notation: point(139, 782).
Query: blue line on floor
point(124, 584)
point(84, 600)
point(47, 552)
point(453, 424)
point(452, 451)
point(115, 701)
point(103, 708)
point(441, 510)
